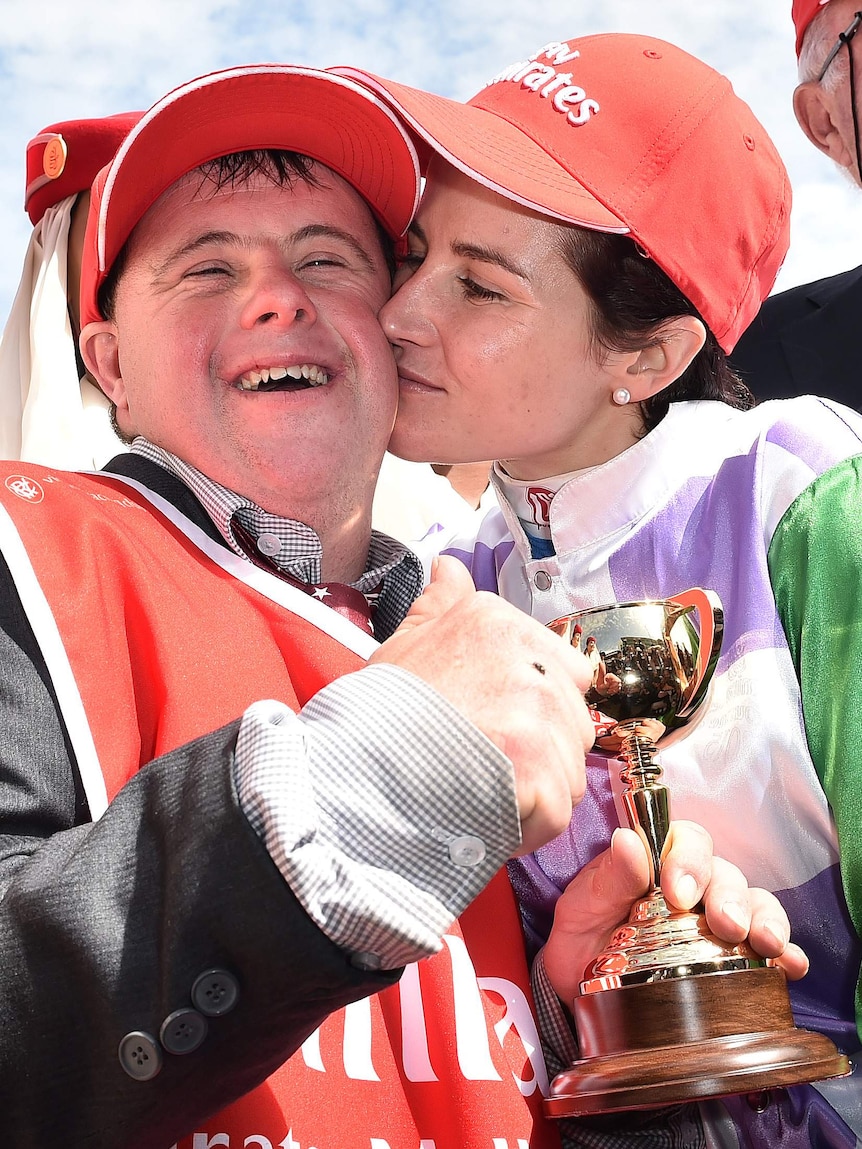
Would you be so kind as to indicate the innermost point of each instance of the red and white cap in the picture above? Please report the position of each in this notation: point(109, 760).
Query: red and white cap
point(804, 12)
point(626, 134)
point(330, 118)
point(63, 158)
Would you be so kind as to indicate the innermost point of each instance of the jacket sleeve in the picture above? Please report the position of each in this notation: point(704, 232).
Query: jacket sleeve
point(105, 926)
point(815, 563)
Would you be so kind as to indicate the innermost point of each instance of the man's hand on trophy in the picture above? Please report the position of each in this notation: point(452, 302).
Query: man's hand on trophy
point(599, 899)
point(514, 679)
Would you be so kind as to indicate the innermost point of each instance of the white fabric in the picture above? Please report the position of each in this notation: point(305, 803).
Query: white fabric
point(48, 415)
point(411, 500)
point(530, 499)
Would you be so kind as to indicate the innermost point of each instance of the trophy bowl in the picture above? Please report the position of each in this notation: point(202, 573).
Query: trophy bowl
point(668, 1012)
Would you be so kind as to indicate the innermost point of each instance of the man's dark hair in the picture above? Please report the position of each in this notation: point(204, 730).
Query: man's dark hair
point(282, 168)
point(631, 300)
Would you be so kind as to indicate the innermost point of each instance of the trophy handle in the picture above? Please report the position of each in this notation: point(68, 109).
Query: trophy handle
point(708, 606)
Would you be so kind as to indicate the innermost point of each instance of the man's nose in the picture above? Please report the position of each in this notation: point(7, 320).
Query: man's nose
point(278, 298)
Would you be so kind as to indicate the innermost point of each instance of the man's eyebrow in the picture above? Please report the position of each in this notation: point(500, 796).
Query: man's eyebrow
point(328, 231)
point(232, 239)
point(206, 239)
point(476, 251)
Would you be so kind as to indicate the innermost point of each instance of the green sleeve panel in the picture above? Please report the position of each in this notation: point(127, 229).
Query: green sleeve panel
point(815, 565)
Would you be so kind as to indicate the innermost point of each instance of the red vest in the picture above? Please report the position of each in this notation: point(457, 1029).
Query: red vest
point(154, 635)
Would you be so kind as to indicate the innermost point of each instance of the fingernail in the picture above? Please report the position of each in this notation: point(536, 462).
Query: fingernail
point(777, 930)
point(686, 891)
point(737, 915)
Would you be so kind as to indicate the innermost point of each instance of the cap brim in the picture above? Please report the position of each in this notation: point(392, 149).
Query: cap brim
point(326, 117)
point(494, 152)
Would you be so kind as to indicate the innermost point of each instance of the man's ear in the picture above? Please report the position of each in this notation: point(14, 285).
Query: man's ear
point(655, 367)
point(814, 107)
point(100, 350)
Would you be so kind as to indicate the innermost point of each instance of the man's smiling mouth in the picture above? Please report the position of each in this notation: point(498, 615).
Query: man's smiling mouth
point(295, 378)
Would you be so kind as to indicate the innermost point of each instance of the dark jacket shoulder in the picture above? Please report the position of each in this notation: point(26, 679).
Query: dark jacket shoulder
point(804, 341)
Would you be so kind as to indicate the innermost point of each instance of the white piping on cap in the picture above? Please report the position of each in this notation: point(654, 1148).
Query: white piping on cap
point(229, 74)
point(462, 166)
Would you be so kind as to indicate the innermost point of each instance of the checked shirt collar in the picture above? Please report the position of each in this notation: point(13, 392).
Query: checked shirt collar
point(391, 581)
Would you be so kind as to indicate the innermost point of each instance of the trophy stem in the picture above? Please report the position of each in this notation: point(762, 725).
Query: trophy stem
point(647, 801)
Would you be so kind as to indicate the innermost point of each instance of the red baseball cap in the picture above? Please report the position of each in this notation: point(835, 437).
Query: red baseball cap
point(64, 158)
point(257, 106)
point(627, 134)
point(804, 12)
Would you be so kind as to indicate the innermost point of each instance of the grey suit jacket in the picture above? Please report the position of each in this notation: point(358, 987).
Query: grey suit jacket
point(105, 926)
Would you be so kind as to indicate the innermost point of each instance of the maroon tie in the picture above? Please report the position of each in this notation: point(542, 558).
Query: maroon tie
point(347, 600)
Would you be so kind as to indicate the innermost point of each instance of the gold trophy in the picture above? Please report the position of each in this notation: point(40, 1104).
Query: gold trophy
point(668, 1012)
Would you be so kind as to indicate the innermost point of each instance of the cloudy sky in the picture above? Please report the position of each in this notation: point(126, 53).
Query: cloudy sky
point(57, 63)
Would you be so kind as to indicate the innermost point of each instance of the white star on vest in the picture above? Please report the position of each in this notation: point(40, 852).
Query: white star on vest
point(321, 592)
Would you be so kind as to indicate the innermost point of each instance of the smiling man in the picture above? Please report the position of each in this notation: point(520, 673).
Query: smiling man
point(194, 878)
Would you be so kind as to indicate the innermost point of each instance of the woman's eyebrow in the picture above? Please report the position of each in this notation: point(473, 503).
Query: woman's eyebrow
point(485, 254)
point(478, 251)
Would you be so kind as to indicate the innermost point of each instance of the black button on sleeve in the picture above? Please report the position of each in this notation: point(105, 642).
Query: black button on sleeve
point(215, 992)
point(183, 1031)
point(140, 1055)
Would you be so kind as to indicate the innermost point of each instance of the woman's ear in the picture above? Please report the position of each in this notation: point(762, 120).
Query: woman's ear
point(101, 354)
point(655, 367)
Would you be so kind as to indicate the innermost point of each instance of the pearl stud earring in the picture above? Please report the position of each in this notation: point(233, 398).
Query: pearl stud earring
point(621, 396)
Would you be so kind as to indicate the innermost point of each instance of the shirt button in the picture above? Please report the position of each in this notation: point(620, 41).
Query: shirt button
point(542, 580)
point(140, 1056)
point(467, 850)
point(269, 544)
point(183, 1031)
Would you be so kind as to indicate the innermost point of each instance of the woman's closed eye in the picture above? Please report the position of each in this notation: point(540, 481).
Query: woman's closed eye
point(474, 290)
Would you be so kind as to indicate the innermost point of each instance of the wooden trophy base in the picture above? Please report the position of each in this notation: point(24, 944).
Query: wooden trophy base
point(686, 1038)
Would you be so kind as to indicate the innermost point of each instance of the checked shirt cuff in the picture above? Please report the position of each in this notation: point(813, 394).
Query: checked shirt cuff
point(385, 810)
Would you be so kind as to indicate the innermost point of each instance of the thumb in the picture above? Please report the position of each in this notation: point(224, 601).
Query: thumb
point(450, 584)
point(601, 894)
point(588, 911)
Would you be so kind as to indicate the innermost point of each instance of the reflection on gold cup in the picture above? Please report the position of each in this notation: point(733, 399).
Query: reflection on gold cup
point(668, 1012)
point(654, 665)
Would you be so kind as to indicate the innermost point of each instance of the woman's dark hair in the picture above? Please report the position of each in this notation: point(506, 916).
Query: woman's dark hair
point(283, 168)
point(631, 300)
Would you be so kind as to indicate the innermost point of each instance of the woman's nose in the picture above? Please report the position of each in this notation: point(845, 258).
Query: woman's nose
point(402, 317)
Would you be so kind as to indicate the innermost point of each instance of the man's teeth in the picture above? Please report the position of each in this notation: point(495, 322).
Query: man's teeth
point(315, 376)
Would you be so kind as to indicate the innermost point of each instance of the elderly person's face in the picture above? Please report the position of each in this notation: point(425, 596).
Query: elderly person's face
point(823, 107)
point(245, 339)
